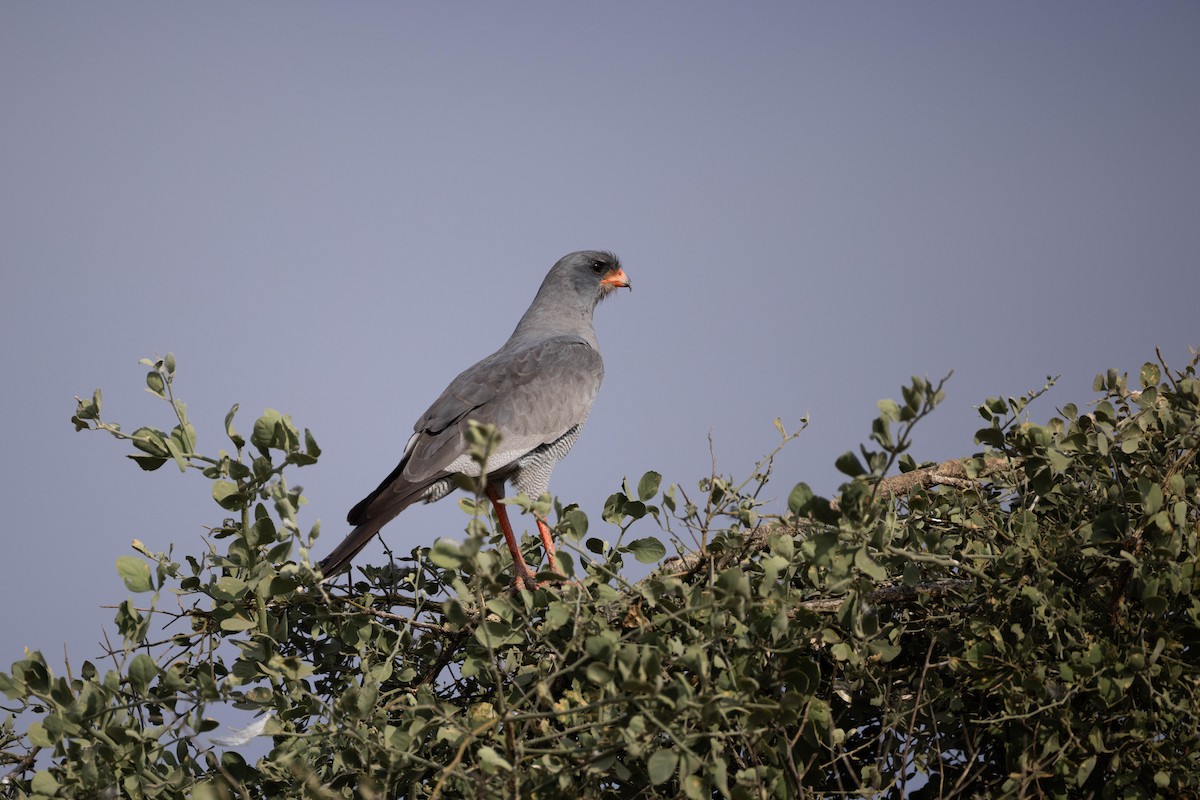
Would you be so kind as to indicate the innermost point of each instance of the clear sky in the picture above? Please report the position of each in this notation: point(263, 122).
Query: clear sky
point(332, 209)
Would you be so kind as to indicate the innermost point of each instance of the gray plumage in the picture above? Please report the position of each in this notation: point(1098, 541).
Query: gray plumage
point(537, 390)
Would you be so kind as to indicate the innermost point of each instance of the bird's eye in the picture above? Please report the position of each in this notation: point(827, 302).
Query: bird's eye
point(597, 267)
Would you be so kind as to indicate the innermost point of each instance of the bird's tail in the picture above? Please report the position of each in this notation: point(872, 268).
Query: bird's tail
point(373, 512)
point(349, 547)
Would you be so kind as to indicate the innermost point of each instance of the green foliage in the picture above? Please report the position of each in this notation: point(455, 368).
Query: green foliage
point(1023, 623)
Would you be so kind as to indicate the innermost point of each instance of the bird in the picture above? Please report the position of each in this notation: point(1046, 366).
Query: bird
point(537, 390)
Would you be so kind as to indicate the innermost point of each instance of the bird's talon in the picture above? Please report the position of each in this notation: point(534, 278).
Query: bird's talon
point(525, 579)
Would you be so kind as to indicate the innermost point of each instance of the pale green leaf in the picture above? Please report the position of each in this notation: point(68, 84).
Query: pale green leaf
point(135, 572)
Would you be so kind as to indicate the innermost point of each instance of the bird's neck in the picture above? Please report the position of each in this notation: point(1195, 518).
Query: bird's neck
point(546, 321)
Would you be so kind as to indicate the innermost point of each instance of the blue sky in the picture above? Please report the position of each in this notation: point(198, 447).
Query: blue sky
point(332, 209)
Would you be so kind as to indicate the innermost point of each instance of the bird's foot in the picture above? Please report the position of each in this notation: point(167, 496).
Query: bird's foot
point(524, 579)
point(528, 579)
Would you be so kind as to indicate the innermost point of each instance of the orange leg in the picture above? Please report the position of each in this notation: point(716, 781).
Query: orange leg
point(548, 543)
point(524, 578)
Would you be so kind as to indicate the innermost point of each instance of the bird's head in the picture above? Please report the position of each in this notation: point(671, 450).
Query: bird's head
point(594, 274)
point(569, 294)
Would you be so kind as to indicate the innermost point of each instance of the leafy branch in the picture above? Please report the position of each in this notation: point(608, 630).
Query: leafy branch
point(1019, 622)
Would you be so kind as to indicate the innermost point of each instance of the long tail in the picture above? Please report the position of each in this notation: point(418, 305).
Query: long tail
point(373, 512)
point(349, 547)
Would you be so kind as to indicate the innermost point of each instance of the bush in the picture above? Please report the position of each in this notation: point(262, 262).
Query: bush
point(1024, 622)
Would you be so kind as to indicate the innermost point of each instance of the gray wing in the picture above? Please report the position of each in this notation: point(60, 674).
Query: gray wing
point(533, 395)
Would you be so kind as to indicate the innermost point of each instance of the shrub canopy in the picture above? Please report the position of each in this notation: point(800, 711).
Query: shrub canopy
point(1024, 622)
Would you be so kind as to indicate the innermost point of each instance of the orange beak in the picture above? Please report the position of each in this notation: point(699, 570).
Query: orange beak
point(617, 279)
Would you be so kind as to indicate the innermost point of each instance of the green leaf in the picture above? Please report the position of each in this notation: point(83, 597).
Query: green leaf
point(889, 408)
point(176, 453)
point(557, 615)
point(492, 761)
point(233, 435)
point(782, 544)
point(310, 444)
point(599, 674)
point(848, 464)
point(11, 687)
point(566, 563)
point(148, 463)
point(771, 567)
point(85, 410)
point(274, 430)
point(135, 572)
point(237, 624)
point(447, 554)
point(155, 384)
point(1059, 461)
point(578, 522)
point(151, 441)
point(228, 587)
point(869, 566)
point(614, 508)
point(142, 670)
point(264, 434)
point(800, 499)
point(281, 585)
point(39, 736)
point(1130, 443)
point(1150, 375)
point(493, 634)
point(648, 550)
point(228, 495)
point(44, 784)
point(884, 650)
point(993, 437)
point(1085, 770)
point(648, 486)
point(207, 790)
point(661, 766)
